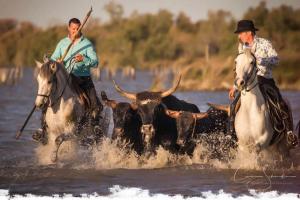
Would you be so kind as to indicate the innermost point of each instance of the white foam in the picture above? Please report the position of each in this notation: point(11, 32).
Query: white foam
point(134, 193)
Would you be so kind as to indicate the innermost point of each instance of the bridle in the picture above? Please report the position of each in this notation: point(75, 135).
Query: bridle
point(251, 76)
point(54, 81)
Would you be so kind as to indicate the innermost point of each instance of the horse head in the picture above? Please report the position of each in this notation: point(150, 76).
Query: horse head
point(47, 81)
point(245, 68)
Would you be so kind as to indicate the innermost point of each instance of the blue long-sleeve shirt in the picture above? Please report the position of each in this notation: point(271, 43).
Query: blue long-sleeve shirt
point(84, 47)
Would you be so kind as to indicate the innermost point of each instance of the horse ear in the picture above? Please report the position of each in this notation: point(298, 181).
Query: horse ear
point(45, 58)
point(240, 48)
point(38, 64)
point(172, 113)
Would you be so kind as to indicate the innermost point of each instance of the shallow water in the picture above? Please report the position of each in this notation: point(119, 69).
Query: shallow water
point(102, 169)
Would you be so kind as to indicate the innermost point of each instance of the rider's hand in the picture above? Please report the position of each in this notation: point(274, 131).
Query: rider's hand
point(79, 58)
point(231, 93)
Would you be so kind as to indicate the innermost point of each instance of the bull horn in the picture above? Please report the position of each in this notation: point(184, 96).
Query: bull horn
point(172, 113)
point(131, 96)
point(200, 115)
point(172, 89)
point(225, 108)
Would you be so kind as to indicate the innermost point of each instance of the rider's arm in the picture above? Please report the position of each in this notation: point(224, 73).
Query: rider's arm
point(90, 59)
point(271, 58)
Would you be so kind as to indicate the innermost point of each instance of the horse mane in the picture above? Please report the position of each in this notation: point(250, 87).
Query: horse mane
point(45, 70)
point(73, 83)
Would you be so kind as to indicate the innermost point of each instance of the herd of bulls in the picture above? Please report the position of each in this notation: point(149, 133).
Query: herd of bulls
point(155, 119)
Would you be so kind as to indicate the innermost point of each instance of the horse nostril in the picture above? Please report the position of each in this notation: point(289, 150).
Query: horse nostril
point(242, 82)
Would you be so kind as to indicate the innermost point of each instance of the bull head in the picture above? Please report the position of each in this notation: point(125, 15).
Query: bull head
point(146, 107)
point(122, 113)
point(185, 122)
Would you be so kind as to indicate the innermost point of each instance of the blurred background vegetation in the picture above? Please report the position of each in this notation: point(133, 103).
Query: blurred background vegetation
point(202, 51)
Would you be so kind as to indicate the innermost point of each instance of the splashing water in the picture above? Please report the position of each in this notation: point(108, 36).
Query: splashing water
point(114, 154)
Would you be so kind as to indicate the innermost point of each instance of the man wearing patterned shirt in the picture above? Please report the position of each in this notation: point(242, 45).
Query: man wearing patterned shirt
point(266, 59)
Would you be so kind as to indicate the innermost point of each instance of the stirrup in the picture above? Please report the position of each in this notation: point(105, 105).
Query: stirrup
point(292, 139)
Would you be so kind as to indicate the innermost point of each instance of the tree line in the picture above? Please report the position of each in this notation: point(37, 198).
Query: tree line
point(162, 39)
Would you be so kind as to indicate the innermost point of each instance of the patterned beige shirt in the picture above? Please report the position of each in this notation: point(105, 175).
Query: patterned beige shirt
point(266, 56)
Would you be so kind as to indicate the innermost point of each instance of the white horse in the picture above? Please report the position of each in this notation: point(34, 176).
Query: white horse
point(252, 121)
point(64, 109)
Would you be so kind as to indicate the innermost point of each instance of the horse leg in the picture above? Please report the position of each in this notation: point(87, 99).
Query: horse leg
point(58, 142)
point(40, 135)
point(84, 129)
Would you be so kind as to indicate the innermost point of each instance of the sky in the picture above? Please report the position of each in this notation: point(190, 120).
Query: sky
point(50, 12)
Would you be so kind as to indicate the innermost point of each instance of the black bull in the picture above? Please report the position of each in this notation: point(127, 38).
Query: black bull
point(127, 123)
point(192, 126)
point(157, 127)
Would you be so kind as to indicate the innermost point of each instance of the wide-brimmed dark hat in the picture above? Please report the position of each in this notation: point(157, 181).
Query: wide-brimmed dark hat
point(245, 25)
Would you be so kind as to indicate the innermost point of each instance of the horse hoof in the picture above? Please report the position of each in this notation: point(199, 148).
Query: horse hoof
point(292, 139)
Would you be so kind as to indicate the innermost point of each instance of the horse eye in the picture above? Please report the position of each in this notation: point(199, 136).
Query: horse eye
point(49, 82)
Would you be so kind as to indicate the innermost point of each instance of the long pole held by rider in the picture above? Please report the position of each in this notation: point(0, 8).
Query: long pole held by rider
point(19, 133)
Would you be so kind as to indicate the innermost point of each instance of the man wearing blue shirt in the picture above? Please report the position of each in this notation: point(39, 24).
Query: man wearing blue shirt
point(78, 61)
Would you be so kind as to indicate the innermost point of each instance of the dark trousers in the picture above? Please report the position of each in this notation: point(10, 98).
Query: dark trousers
point(87, 85)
